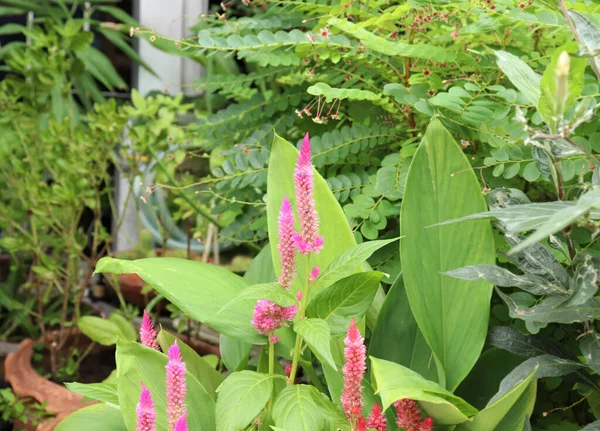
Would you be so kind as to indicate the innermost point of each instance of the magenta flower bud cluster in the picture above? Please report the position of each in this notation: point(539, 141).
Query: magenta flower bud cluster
point(287, 246)
point(176, 391)
point(148, 333)
point(268, 317)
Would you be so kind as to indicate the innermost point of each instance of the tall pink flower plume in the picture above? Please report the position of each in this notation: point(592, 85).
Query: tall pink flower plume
point(146, 416)
point(377, 420)
point(176, 387)
point(308, 240)
point(354, 371)
point(268, 317)
point(148, 333)
point(287, 246)
point(181, 424)
point(409, 416)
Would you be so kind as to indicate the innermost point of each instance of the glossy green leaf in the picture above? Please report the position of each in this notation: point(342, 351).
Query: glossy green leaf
point(318, 336)
point(97, 417)
point(489, 418)
point(521, 75)
point(524, 345)
point(242, 396)
point(514, 419)
point(126, 327)
point(395, 382)
point(295, 409)
point(102, 331)
point(590, 348)
point(104, 392)
point(585, 282)
point(589, 34)
point(198, 289)
point(348, 298)
point(268, 291)
point(332, 221)
point(204, 372)
point(452, 314)
point(397, 337)
point(137, 364)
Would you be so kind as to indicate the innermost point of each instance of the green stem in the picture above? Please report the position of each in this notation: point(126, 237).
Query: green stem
point(271, 368)
point(298, 346)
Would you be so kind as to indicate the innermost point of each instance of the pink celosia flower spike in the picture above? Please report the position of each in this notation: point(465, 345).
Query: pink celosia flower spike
point(308, 240)
point(268, 317)
point(146, 416)
point(362, 425)
point(148, 333)
point(377, 420)
point(176, 387)
point(354, 371)
point(181, 424)
point(409, 416)
point(287, 246)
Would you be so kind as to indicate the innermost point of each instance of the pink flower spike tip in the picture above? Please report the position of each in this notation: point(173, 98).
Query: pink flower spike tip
point(353, 371)
point(308, 240)
point(377, 420)
point(146, 416)
point(287, 245)
point(148, 333)
point(176, 386)
point(409, 416)
point(314, 274)
point(181, 424)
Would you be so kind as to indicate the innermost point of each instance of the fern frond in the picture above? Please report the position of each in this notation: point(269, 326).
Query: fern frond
point(232, 85)
point(330, 94)
point(278, 21)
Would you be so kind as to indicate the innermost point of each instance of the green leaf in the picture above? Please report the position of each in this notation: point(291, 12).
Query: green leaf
point(296, 409)
point(102, 331)
point(317, 334)
point(104, 392)
point(117, 39)
point(590, 348)
point(595, 426)
point(490, 417)
point(348, 261)
point(100, 68)
point(585, 282)
point(547, 105)
point(395, 382)
point(391, 180)
point(269, 291)
point(198, 289)
point(242, 396)
point(397, 337)
point(127, 329)
point(348, 298)
point(332, 221)
point(521, 75)
point(97, 417)
point(204, 372)
point(562, 219)
point(136, 364)
point(452, 314)
point(527, 346)
point(589, 34)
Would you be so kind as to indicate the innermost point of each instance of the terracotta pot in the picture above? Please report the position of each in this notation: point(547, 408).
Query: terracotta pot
point(26, 382)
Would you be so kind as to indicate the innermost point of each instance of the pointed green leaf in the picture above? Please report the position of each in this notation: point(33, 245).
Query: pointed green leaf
point(105, 392)
point(296, 409)
point(97, 417)
point(269, 291)
point(452, 314)
point(521, 75)
point(318, 336)
point(242, 396)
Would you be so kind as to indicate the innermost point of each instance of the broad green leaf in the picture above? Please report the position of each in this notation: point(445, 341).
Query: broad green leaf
point(204, 372)
point(452, 314)
point(137, 364)
point(98, 65)
point(295, 409)
point(502, 277)
point(268, 291)
point(553, 310)
point(521, 218)
point(489, 418)
point(518, 416)
point(547, 105)
point(242, 396)
point(261, 268)
point(590, 348)
point(104, 392)
point(348, 298)
point(397, 337)
point(318, 336)
point(595, 426)
point(347, 262)
point(528, 346)
point(198, 289)
point(102, 331)
point(332, 221)
point(585, 282)
point(563, 218)
point(484, 379)
point(126, 327)
point(521, 75)
point(97, 417)
point(395, 382)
